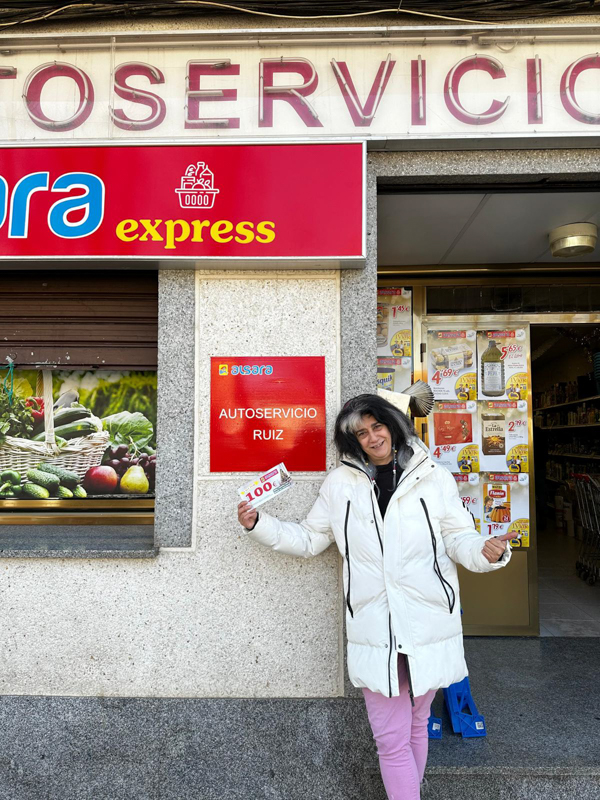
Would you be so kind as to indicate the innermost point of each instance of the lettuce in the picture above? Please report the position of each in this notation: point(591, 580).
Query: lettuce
point(127, 428)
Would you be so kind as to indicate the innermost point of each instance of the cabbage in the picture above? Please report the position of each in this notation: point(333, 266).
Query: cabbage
point(128, 427)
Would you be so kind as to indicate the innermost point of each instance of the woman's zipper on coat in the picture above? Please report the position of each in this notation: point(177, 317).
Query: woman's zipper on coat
point(410, 686)
point(392, 651)
point(436, 566)
point(348, 559)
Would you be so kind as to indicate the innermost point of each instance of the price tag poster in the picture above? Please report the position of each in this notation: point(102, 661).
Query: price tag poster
point(452, 364)
point(454, 436)
point(502, 364)
point(506, 505)
point(504, 436)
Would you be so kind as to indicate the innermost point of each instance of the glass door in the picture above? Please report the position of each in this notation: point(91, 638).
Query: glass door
point(481, 430)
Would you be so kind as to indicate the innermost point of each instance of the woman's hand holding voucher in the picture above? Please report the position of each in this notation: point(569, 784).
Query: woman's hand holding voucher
point(246, 514)
point(495, 547)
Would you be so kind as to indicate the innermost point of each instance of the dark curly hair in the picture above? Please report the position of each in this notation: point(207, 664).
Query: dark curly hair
point(350, 417)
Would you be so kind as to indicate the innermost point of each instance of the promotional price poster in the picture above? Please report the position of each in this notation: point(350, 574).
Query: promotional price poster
point(504, 436)
point(506, 506)
point(394, 338)
point(502, 364)
point(452, 364)
point(454, 436)
point(470, 493)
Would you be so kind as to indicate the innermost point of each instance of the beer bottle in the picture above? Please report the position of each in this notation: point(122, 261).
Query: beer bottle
point(492, 371)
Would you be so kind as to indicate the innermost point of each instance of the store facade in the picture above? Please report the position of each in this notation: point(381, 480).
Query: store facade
point(310, 131)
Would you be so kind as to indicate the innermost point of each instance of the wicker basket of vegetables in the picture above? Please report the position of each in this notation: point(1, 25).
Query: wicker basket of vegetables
point(34, 431)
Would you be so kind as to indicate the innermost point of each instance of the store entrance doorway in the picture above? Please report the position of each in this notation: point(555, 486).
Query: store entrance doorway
point(566, 440)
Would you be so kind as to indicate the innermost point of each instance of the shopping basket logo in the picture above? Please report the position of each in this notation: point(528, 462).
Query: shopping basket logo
point(197, 188)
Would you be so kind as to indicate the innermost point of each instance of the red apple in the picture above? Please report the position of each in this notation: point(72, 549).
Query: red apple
point(100, 480)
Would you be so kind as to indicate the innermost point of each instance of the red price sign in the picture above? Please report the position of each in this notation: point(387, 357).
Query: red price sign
point(506, 349)
point(514, 424)
point(444, 448)
point(439, 375)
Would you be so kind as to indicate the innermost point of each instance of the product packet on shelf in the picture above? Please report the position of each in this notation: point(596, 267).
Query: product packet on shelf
point(266, 486)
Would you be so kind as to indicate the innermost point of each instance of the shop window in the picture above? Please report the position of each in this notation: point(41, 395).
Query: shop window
point(513, 299)
point(78, 390)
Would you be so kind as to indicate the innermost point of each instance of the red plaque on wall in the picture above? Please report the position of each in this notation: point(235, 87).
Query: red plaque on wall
point(267, 410)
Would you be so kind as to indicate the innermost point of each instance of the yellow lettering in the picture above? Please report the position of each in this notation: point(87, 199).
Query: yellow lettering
point(150, 229)
point(125, 228)
point(219, 228)
point(197, 225)
point(266, 229)
point(245, 231)
point(171, 238)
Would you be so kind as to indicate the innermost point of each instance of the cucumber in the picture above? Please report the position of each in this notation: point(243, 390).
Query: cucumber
point(64, 416)
point(81, 428)
point(66, 478)
point(64, 494)
point(51, 482)
point(79, 492)
point(35, 491)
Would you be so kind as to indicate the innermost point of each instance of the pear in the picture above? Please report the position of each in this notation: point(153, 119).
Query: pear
point(134, 481)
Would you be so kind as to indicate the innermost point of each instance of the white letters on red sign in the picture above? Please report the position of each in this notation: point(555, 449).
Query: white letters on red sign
point(567, 89)
point(362, 116)
point(295, 95)
point(156, 104)
point(32, 94)
point(487, 64)
point(195, 95)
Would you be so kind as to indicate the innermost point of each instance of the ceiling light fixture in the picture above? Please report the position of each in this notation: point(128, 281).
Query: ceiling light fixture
point(572, 240)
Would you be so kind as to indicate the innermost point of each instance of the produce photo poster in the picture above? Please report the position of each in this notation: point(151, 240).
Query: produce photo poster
point(96, 439)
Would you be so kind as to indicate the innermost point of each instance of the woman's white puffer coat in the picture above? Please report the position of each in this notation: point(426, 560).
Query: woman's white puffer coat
point(400, 577)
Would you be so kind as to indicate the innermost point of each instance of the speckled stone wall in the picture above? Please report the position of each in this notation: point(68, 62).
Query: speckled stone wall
point(175, 420)
point(285, 612)
point(359, 309)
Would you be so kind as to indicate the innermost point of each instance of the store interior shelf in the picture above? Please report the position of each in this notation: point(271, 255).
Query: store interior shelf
point(563, 427)
point(569, 403)
point(576, 455)
point(555, 480)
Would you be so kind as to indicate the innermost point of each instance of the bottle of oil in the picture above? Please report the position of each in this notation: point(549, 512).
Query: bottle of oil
point(492, 371)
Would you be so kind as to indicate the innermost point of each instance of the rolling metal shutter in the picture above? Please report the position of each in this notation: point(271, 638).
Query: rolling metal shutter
point(74, 320)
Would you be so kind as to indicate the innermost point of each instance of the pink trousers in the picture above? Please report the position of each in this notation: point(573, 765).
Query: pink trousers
point(400, 733)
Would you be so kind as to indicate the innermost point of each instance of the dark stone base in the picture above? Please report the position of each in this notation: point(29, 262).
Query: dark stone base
point(73, 541)
point(539, 697)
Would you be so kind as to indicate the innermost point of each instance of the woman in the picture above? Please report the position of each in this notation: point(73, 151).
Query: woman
point(401, 528)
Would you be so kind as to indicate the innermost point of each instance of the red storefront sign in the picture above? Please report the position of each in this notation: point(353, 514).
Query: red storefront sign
point(267, 410)
point(200, 202)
